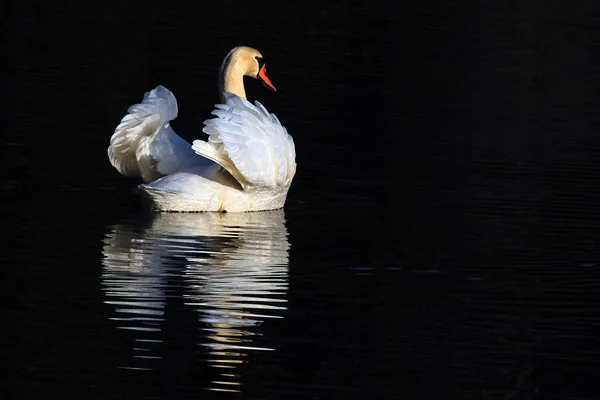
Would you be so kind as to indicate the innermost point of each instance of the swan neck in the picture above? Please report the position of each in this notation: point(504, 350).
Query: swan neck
point(232, 79)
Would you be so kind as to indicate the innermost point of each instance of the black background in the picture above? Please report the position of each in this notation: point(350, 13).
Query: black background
point(465, 133)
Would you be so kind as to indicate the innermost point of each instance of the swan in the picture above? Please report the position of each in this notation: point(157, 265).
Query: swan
point(247, 163)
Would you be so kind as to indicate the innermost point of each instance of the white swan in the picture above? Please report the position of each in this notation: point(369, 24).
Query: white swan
point(247, 164)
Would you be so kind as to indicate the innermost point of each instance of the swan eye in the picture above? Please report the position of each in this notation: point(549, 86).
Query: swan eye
point(261, 62)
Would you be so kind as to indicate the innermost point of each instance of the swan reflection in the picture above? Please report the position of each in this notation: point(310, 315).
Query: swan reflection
point(231, 269)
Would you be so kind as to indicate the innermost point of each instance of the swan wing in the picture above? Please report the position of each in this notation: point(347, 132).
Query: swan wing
point(249, 142)
point(144, 144)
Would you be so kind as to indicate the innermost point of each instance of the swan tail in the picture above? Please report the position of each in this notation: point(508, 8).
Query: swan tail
point(129, 150)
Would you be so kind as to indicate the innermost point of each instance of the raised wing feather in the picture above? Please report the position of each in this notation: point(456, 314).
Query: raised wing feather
point(248, 142)
point(144, 144)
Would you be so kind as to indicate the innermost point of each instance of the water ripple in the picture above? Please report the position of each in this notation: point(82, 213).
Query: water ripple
point(230, 269)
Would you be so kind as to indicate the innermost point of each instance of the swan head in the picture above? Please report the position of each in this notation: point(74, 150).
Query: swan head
point(242, 61)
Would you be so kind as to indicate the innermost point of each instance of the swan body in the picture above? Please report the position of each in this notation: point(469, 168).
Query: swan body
point(247, 163)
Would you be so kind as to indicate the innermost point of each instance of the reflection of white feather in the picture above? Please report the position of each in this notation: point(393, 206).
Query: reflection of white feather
point(132, 282)
point(234, 266)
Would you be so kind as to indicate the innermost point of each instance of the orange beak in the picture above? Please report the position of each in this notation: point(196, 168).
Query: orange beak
point(262, 74)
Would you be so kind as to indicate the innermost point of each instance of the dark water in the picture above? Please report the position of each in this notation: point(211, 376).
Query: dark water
point(440, 240)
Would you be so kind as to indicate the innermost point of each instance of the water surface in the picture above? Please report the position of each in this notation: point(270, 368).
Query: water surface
point(230, 269)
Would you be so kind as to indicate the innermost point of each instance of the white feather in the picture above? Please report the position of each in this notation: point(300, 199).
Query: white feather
point(145, 145)
point(248, 142)
point(246, 164)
